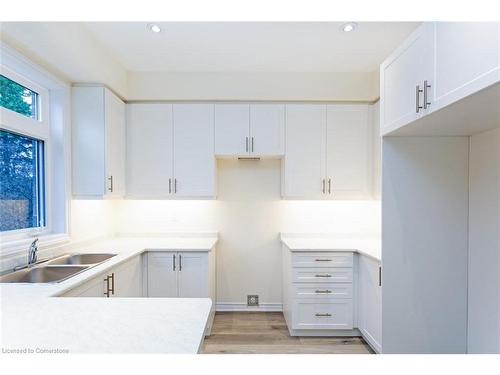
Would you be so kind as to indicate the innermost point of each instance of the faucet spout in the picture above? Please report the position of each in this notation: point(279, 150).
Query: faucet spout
point(32, 252)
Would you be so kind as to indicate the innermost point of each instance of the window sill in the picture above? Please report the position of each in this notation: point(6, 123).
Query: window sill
point(20, 246)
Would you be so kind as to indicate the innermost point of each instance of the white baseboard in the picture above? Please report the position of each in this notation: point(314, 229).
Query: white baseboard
point(232, 306)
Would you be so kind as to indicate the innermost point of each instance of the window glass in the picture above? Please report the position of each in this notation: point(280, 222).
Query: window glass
point(21, 182)
point(18, 98)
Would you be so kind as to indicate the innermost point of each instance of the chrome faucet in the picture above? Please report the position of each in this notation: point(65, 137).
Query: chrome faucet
point(32, 252)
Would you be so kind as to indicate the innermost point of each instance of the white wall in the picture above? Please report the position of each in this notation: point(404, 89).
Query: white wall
point(92, 219)
point(67, 50)
point(484, 243)
point(253, 86)
point(249, 214)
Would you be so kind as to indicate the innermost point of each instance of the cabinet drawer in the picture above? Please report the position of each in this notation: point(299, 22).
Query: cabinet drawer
point(326, 314)
point(322, 275)
point(320, 291)
point(320, 259)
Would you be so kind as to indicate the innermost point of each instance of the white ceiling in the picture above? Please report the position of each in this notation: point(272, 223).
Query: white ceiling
point(250, 46)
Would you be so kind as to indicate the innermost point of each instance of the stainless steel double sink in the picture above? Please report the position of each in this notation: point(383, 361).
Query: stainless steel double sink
point(56, 269)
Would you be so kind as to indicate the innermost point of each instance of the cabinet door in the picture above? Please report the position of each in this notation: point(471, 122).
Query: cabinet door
point(162, 274)
point(348, 150)
point(467, 59)
point(370, 302)
point(193, 275)
point(410, 65)
point(115, 144)
point(149, 150)
point(128, 279)
point(88, 143)
point(92, 288)
point(194, 161)
point(267, 129)
point(232, 129)
point(305, 158)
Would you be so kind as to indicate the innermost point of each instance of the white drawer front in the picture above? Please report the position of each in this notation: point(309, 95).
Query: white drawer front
point(322, 259)
point(326, 314)
point(322, 275)
point(322, 291)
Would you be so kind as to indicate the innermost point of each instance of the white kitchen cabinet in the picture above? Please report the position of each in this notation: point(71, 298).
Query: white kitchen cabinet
point(128, 278)
point(328, 152)
point(149, 150)
point(304, 166)
point(170, 151)
point(124, 280)
point(467, 59)
point(91, 288)
point(348, 156)
point(232, 128)
point(370, 301)
point(194, 160)
point(402, 76)
point(178, 274)
point(185, 274)
point(249, 130)
point(267, 130)
point(439, 64)
point(98, 142)
point(162, 274)
point(318, 292)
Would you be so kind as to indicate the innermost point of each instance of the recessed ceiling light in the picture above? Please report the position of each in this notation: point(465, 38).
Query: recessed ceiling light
point(348, 27)
point(154, 28)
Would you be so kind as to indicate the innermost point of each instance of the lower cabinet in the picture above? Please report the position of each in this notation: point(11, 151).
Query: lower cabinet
point(181, 274)
point(332, 293)
point(370, 301)
point(124, 280)
point(187, 274)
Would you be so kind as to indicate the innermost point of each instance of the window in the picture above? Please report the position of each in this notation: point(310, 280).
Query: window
point(18, 98)
point(22, 198)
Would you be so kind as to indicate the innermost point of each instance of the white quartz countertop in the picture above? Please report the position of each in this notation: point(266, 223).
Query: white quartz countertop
point(369, 246)
point(32, 316)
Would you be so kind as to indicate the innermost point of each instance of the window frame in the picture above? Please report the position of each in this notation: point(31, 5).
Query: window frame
point(53, 128)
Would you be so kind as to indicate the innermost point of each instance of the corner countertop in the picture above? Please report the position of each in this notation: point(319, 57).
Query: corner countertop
point(32, 316)
point(368, 246)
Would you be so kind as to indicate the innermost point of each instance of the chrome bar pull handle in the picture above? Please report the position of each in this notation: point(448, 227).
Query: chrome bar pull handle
point(170, 186)
point(324, 315)
point(174, 262)
point(380, 276)
point(175, 186)
point(322, 260)
point(110, 179)
point(329, 186)
point(323, 186)
point(246, 144)
point(325, 275)
point(418, 107)
point(252, 144)
point(106, 293)
point(323, 291)
point(113, 283)
point(180, 262)
point(426, 99)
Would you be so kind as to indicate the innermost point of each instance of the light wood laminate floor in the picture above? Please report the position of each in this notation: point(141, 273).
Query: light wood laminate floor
point(266, 333)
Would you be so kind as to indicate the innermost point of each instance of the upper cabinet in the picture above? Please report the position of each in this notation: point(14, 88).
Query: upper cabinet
point(170, 151)
point(249, 130)
point(402, 77)
point(349, 151)
point(98, 143)
point(328, 152)
point(304, 166)
point(439, 64)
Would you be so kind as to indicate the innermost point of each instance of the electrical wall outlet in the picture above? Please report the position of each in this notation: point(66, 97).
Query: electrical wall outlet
point(252, 300)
